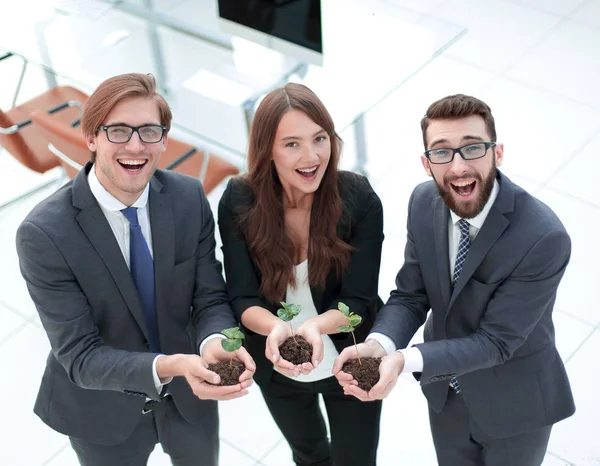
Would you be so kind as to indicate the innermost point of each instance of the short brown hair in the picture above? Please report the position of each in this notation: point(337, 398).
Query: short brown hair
point(110, 92)
point(458, 106)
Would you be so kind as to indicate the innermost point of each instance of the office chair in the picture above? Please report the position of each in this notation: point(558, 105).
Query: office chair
point(20, 138)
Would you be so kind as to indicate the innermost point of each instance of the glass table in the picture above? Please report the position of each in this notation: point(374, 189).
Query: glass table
point(214, 81)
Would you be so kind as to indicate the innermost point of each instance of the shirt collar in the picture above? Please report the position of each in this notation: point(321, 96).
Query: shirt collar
point(107, 200)
point(478, 220)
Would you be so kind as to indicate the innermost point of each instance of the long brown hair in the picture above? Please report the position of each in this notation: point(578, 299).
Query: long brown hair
point(270, 244)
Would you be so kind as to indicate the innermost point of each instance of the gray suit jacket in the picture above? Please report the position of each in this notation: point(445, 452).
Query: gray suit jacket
point(494, 331)
point(99, 371)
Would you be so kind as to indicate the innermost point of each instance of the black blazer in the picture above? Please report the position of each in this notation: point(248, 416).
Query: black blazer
point(361, 226)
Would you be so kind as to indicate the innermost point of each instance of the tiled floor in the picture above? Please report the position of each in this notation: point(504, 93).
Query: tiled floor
point(536, 62)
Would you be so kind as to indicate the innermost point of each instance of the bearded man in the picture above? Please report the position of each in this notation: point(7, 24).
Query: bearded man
point(486, 258)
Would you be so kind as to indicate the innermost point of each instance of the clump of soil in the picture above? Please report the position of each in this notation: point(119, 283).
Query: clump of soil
point(296, 351)
point(229, 375)
point(367, 374)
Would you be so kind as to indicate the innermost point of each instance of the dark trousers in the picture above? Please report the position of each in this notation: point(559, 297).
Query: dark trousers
point(187, 444)
point(459, 442)
point(354, 424)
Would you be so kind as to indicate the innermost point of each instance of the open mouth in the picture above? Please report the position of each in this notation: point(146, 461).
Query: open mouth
point(308, 173)
point(463, 188)
point(133, 165)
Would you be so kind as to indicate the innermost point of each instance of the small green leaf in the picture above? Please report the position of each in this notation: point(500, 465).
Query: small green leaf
point(294, 309)
point(354, 320)
point(233, 332)
point(231, 345)
point(284, 315)
point(343, 309)
point(288, 312)
point(345, 329)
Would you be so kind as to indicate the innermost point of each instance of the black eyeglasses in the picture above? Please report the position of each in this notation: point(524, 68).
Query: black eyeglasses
point(469, 152)
point(120, 134)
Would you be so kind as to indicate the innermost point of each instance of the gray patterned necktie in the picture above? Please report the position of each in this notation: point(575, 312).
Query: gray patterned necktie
point(463, 248)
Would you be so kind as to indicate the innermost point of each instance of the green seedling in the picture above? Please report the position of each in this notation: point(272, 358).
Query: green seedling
point(352, 321)
point(287, 313)
point(233, 342)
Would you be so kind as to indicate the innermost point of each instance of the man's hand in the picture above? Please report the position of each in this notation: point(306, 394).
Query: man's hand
point(195, 370)
point(390, 368)
point(311, 332)
point(276, 337)
point(369, 349)
point(213, 352)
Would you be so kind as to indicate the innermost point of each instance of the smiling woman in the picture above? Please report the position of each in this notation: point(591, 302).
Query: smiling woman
point(292, 166)
point(296, 229)
point(301, 152)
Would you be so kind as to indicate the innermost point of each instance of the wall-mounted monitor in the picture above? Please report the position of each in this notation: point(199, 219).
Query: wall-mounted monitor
point(292, 27)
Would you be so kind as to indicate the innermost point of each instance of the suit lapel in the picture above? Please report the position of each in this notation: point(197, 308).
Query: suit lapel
point(98, 231)
point(442, 258)
point(163, 245)
point(492, 228)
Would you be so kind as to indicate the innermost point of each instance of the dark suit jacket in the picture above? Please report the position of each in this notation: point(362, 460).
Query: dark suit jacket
point(361, 226)
point(495, 331)
point(99, 372)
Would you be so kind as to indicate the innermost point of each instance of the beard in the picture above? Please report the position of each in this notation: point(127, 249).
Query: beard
point(468, 209)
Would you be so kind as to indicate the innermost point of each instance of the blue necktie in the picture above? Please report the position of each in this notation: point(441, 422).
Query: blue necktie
point(463, 248)
point(142, 272)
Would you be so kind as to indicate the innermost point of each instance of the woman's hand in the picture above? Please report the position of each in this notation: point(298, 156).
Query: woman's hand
point(311, 332)
point(278, 334)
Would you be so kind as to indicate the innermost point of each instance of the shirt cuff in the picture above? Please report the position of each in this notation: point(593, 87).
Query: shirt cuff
point(413, 359)
point(388, 344)
point(210, 337)
point(158, 383)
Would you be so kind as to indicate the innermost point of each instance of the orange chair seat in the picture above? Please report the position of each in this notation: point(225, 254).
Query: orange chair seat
point(29, 145)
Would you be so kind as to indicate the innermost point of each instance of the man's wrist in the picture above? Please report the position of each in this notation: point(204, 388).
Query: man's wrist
point(212, 336)
point(377, 347)
point(413, 359)
point(168, 366)
point(399, 356)
point(384, 341)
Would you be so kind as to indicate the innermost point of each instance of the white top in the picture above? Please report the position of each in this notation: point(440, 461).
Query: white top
point(303, 297)
point(111, 208)
point(413, 359)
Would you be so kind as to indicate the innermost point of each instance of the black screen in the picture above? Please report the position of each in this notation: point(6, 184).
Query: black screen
point(297, 21)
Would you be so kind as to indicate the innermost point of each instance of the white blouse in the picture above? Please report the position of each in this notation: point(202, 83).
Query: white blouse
point(303, 297)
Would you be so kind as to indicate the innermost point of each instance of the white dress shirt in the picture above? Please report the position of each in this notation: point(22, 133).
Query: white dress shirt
point(413, 359)
point(303, 297)
point(111, 208)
